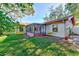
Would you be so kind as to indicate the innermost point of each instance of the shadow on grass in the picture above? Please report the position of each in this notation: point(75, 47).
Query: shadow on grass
point(16, 45)
point(13, 37)
point(41, 42)
point(12, 45)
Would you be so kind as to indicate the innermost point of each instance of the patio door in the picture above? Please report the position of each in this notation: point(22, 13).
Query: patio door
point(37, 29)
point(43, 31)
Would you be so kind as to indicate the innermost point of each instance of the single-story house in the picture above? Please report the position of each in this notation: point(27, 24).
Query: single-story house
point(60, 27)
point(76, 30)
point(21, 29)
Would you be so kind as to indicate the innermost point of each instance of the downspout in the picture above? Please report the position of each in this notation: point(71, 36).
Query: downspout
point(40, 29)
point(45, 29)
point(34, 30)
point(26, 30)
point(26, 27)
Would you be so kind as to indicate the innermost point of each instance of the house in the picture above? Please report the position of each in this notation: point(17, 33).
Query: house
point(21, 29)
point(60, 27)
point(76, 28)
point(36, 29)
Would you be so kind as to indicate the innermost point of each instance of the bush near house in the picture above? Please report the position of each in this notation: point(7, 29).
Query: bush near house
point(17, 45)
point(10, 33)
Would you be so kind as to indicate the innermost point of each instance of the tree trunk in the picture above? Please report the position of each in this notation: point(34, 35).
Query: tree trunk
point(1, 32)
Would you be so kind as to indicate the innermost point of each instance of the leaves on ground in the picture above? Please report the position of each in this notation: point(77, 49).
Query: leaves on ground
point(17, 45)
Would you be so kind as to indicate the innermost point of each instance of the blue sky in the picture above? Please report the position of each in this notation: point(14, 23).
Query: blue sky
point(41, 9)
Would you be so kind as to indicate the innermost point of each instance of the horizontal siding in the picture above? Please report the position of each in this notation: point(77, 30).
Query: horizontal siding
point(60, 32)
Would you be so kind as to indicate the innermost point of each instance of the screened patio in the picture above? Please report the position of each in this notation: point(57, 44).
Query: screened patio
point(36, 29)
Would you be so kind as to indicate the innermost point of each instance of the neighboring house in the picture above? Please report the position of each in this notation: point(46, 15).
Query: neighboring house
point(60, 27)
point(76, 28)
point(21, 29)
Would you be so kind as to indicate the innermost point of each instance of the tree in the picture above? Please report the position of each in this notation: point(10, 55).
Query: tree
point(16, 10)
point(6, 23)
point(57, 12)
point(73, 9)
point(10, 11)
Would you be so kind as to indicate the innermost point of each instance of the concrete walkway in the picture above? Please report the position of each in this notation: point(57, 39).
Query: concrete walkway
point(75, 39)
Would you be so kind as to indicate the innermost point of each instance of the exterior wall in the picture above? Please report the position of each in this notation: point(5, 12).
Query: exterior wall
point(60, 32)
point(30, 34)
point(76, 29)
point(18, 30)
point(24, 29)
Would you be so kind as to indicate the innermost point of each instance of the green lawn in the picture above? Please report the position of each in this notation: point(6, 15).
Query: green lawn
point(18, 45)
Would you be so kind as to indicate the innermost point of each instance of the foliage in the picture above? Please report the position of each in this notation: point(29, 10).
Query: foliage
point(17, 10)
point(57, 12)
point(77, 24)
point(10, 11)
point(6, 22)
point(63, 10)
point(73, 9)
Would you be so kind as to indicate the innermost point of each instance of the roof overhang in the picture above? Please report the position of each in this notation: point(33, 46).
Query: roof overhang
point(24, 24)
point(55, 22)
point(61, 20)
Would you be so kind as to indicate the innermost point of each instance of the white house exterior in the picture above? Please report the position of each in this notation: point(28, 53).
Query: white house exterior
point(60, 27)
point(22, 29)
point(60, 32)
point(76, 30)
point(63, 27)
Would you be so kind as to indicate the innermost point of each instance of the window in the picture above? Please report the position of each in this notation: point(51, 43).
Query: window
point(55, 28)
point(28, 29)
point(36, 28)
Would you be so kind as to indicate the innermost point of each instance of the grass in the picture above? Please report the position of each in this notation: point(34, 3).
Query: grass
point(2, 38)
point(18, 45)
point(40, 42)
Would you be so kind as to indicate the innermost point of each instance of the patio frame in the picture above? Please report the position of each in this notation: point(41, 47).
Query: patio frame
point(41, 29)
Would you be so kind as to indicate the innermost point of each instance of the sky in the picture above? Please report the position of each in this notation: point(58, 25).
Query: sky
point(41, 10)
